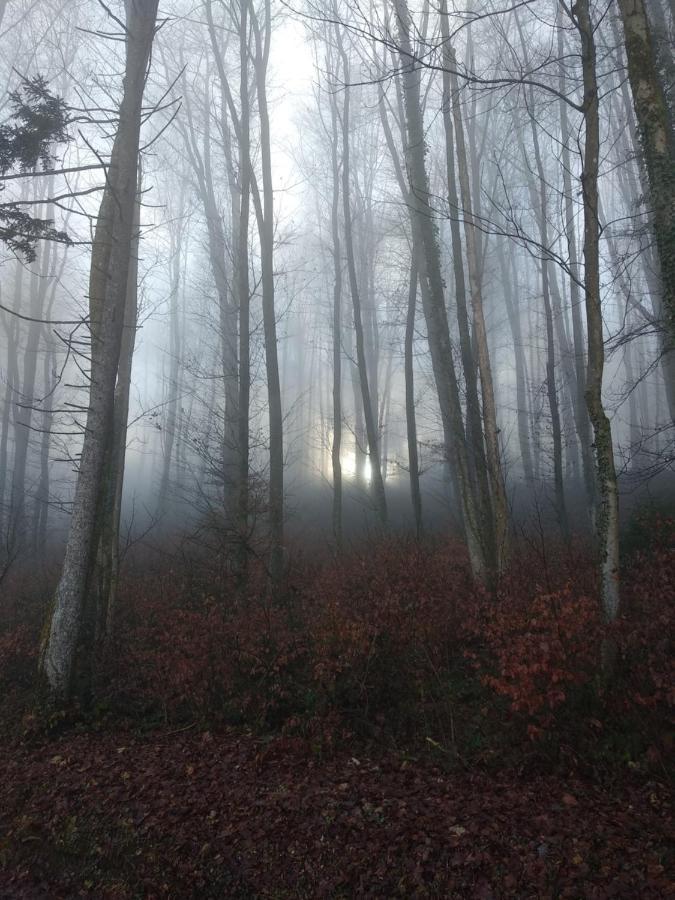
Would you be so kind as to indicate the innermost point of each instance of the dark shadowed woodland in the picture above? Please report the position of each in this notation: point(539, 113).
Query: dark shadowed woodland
point(337, 441)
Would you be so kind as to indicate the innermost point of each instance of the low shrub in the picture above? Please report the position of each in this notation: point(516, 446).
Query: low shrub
point(397, 644)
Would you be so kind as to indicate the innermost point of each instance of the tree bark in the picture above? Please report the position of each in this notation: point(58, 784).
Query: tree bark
point(39, 284)
point(493, 453)
point(41, 508)
point(522, 406)
point(540, 207)
point(265, 217)
point(607, 513)
point(474, 429)
point(377, 483)
point(12, 378)
point(581, 417)
point(176, 234)
point(336, 446)
point(425, 243)
point(200, 160)
point(111, 253)
point(244, 400)
point(658, 146)
point(106, 576)
point(411, 423)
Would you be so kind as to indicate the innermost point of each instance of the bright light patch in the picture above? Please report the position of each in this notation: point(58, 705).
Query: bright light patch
point(349, 465)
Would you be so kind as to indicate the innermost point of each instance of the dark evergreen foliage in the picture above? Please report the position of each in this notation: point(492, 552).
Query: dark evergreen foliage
point(39, 120)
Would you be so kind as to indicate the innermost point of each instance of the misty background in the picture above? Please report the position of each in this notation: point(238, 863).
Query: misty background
point(523, 160)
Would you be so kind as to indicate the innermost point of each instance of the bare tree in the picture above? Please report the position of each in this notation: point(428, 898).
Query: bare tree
point(105, 577)
point(368, 409)
point(111, 255)
point(336, 445)
point(411, 423)
point(425, 242)
point(493, 453)
point(607, 515)
point(264, 207)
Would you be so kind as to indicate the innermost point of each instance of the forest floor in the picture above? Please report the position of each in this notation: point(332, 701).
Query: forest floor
point(183, 814)
point(384, 729)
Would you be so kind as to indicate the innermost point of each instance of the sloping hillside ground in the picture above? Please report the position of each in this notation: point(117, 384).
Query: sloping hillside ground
point(385, 731)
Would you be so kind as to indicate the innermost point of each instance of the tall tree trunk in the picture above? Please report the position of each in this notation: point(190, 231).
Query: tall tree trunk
point(360, 440)
point(425, 242)
point(522, 406)
point(4, 454)
point(50, 384)
point(474, 429)
point(411, 423)
point(377, 483)
point(494, 464)
point(581, 417)
point(635, 431)
point(12, 379)
point(265, 216)
point(39, 283)
point(200, 159)
point(244, 400)
point(176, 233)
point(108, 561)
point(568, 387)
point(41, 512)
point(540, 207)
point(110, 260)
point(629, 189)
point(336, 445)
point(385, 406)
point(658, 145)
point(607, 515)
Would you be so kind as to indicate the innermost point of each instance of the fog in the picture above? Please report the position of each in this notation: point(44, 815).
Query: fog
point(357, 285)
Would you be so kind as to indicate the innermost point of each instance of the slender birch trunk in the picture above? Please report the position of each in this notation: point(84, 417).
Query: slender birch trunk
point(607, 515)
point(581, 417)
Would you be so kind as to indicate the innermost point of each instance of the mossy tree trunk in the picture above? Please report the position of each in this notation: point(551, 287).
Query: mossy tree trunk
point(658, 146)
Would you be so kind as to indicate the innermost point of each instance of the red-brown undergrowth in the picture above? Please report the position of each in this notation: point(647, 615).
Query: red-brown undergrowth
point(395, 641)
point(395, 646)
